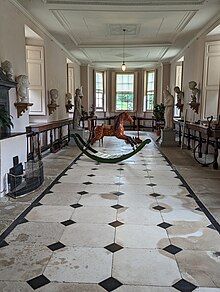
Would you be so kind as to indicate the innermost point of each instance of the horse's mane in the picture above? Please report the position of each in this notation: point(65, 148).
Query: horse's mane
point(118, 121)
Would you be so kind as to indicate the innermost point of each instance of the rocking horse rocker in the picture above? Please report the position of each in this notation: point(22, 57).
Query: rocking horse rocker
point(116, 130)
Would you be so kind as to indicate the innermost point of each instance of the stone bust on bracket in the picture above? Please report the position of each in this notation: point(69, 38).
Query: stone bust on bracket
point(53, 96)
point(8, 70)
point(22, 88)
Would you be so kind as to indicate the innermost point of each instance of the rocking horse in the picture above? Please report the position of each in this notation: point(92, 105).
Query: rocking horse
point(116, 130)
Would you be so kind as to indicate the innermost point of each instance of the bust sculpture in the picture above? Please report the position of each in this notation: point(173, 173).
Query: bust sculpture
point(77, 108)
point(22, 88)
point(8, 70)
point(195, 91)
point(169, 104)
point(53, 96)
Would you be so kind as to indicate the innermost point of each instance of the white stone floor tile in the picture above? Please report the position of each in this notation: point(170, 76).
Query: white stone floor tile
point(88, 235)
point(130, 288)
point(62, 199)
point(98, 215)
point(139, 201)
point(139, 216)
point(79, 265)
point(46, 213)
point(104, 199)
point(145, 267)
point(23, 262)
point(140, 236)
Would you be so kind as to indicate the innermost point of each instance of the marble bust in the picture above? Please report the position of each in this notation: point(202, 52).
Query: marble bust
point(53, 96)
point(8, 70)
point(22, 88)
point(195, 91)
point(169, 105)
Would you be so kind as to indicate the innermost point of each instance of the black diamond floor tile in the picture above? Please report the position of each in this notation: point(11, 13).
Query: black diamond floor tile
point(190, 196)
point(110, 284)
point(172, 249)
point(56, 246)
point(164, 225)
point(91, 175)
point(159, 208)
point(116, 223)
point(184, 286)
point(68, 222)
point(117, 206)
point(94, 168)
point(38, 282)
point(76, 205)
point(121, 164)
point(49, 192)
point(198, 209)
point(58, 182)
point(151, 185)
point(82, 193)
point(118, 193)
point(211, 227)
point(38, 204)
point(3, 243)
point(119, 184)
point(24, 220)
point(87, 183)
point(155, 195)
point(120, 169)
point(113, 247)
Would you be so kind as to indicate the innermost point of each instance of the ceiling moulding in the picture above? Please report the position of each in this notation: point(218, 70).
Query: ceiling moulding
point(43, 29)
point(117, 29)
point(126, 2)
point(102, 46)
point(207, 28)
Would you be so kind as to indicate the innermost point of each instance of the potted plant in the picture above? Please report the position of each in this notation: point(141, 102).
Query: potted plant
point(158, 113)
point(5, 121)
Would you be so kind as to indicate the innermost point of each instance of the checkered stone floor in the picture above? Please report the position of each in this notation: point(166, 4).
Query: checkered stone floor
point(128, 227)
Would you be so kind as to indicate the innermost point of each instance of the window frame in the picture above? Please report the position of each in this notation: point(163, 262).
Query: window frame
point(98, 109)
point(134, 91)
point(145, 109)
point(178, 64)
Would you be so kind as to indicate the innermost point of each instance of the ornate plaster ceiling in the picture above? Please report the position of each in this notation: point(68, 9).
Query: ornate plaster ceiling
point(92, 31)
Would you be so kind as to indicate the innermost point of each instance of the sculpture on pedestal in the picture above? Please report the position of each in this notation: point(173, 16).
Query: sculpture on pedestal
point(8, 70)
point(169, 104)
point(77, 108)
point(68, 102)
point(22, 88)
point(180, 97)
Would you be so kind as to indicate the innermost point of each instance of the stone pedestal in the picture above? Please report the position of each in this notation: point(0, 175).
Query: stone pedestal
point(167, 138)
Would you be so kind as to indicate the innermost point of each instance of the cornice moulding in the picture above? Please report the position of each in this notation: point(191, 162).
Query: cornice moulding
point(206, 29)
point(125, 3)
point(42, 28)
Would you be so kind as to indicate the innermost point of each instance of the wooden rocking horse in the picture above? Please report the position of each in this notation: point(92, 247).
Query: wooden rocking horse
point(116, 130)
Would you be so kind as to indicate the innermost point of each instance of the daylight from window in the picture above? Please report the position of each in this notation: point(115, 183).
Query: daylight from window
point(124, 92)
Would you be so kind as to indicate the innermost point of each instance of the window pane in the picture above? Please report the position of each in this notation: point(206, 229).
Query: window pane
point(99, 91)
point(124, 92)
point(150, 91)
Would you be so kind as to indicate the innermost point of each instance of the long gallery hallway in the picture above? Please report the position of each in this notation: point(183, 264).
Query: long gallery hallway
point(128, 227)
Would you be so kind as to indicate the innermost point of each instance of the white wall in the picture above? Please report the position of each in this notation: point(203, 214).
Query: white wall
point(12, 48)
point(193, 68)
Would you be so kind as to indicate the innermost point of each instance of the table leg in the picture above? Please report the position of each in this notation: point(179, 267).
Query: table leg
point(215, 164)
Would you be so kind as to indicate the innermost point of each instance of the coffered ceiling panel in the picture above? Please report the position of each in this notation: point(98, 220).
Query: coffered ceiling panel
point(92, 30)
point(89, 27)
